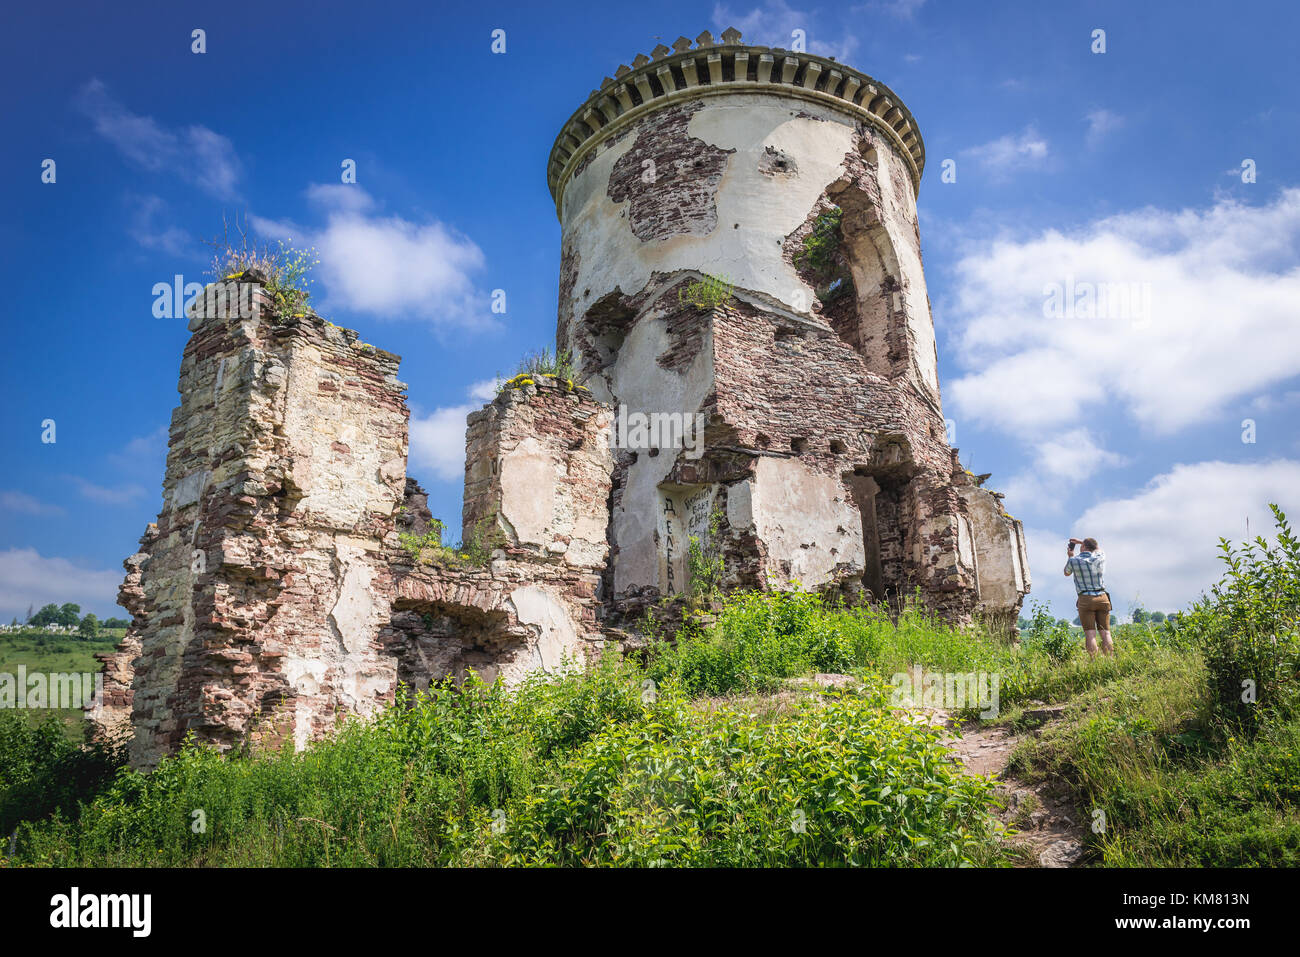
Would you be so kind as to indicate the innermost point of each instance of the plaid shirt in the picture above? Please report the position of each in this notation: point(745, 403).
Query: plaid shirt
point(1088, 568)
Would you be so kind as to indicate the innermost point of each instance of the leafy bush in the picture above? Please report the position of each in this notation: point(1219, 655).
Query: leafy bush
point(1050, 634)
point(821, 245)
point(846, 783)
point(1248, 627)
point(584, 768)
point(705, 561)
point(428, 549)
point(43, 772)
point(758, 639)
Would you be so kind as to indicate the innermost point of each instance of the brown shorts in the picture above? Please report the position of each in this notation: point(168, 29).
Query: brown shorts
point(1094, 611)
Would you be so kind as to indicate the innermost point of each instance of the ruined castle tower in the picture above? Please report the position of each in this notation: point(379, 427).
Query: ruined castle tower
point(740, 249)
point(740, 241)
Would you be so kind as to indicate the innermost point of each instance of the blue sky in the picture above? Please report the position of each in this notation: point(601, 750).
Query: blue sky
point(1071, 167)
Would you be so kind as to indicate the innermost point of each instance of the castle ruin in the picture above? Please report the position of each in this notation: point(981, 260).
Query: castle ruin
point(741, 260)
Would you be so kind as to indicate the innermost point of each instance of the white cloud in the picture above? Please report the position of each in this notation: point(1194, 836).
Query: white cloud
point(1101, 123)
point(387, 266)
point(438, 439)
point(146, 230)
point(1061, 462)
point(27, 578)
point(1075, 455)
point(1161, 542)
point(1009, 154)
point(485, 391)
point(146, 454)
point(106, 494)
point(902, 9)
point(195, 153)
point(24, 504)
point(1222, 286)
point(1271, 402)
point(774, 23)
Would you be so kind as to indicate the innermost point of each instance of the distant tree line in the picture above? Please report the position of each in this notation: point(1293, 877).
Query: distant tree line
point(68, 615)
point(1140, 617)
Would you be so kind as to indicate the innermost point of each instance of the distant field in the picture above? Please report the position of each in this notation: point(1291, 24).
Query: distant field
point(54, 653)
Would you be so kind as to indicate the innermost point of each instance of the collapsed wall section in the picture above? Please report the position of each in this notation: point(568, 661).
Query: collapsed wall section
point(850, 475)
point(257, 596)
point(276, 593)
point(1001, 550)
point(537, 484)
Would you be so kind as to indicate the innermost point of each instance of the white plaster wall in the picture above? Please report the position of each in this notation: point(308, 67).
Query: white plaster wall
point(807, 516)
point(557, 646)
point(1002, 578)
point(528, 491)
point(768, 208)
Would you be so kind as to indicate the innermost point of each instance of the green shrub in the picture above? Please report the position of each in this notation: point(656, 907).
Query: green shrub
point(845, 783)
point(758, 639)
point(43, 772)
point(705, 562)
point(584, 768)
point(428, 549)
point(1050, 634)
point(1248, 627)
point(821, 245)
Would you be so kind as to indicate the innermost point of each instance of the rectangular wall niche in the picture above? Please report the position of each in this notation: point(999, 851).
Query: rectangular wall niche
point(684, 511)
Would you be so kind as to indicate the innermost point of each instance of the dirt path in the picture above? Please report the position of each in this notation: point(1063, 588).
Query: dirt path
point(1050, 830)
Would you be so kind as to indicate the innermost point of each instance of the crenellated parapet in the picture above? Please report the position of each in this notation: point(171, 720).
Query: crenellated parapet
point(712, 67)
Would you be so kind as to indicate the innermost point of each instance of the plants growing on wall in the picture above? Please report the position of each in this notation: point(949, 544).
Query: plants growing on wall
point(821, 257)
point(707, 292)
point(283, 269)
point(536, 365)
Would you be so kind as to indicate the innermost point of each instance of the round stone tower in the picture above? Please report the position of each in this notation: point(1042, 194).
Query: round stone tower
point(741, 280)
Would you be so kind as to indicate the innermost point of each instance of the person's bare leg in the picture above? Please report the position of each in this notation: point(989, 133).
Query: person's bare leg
point(1106, 647)
point(1090, 641)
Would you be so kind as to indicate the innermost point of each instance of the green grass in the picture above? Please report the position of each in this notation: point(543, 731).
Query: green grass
point(1166, 785)
point(62, 654)
point(762, 638)
point(587, 769)
point(681, 762)
point(702, 755)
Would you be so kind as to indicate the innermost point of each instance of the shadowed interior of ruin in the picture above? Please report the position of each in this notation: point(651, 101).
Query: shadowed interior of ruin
point(435, 639)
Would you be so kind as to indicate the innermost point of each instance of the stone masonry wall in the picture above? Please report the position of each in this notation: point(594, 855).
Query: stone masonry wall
point(273, 597)
point(537, 482)
point(262, 587)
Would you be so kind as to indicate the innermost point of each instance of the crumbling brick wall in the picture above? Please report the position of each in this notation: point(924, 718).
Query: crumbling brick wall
point(537, 482)
point(273, 596)
point(257, 598)
point(537, 470)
